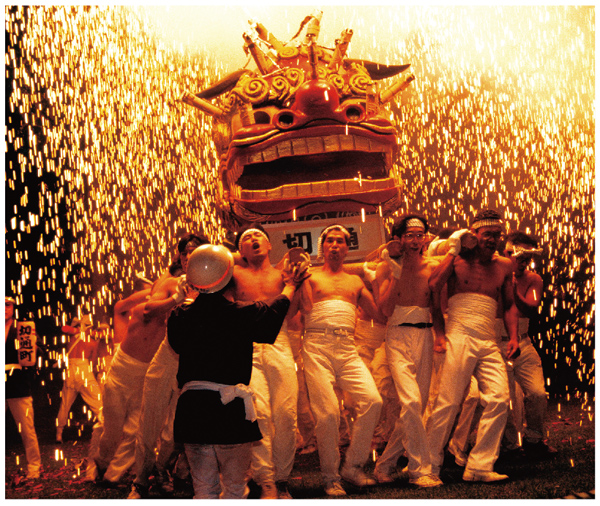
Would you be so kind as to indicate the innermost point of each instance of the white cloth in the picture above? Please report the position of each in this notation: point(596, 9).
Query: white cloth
point(21, 409)
point(275, 386)
point(79, 379)
point(369, 337)
point(219, 471)
point(122, 403)
point(330, 357)
point(472, 349)
point(331, 314)
point(410, 356)
point(159, 401)
point(228, 393)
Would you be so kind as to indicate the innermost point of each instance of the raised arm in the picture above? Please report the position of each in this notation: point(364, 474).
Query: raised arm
point(437, 281)
point(162, 300)
point(126, 305)
point(510, 313)
point(387, 286)
point(367, 303)
point(528, 302)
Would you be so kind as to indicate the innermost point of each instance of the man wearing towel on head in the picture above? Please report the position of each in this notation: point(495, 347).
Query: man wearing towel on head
point(477, 282)
point(329, 300)
point(274, 379)
point(405, 298)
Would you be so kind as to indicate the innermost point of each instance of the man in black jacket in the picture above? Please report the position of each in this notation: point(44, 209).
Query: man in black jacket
point(214, 336)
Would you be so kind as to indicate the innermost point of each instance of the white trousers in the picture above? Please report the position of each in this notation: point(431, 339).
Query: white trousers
point(122, 404)
point(527, 371)
point(468, 356)
point(468, 419)
point(79, 379)
point(219, 471)
point(330, 357)
point(410, 355)
point(21, 409)
point(306, 420)
point(275, 386)
point(159, 401)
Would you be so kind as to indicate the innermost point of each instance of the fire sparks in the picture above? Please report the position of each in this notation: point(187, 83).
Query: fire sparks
point(105, 167)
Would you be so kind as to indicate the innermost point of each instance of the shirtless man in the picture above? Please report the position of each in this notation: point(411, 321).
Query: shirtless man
point(526, 369)
point(329, 299)
point(475, 284)
point(125, 380)
point(123, 458)
point(405, 298)
point(159, 387)
point(274, 380)
point(79, 378)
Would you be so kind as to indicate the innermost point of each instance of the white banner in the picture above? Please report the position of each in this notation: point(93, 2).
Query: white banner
point(365, 236)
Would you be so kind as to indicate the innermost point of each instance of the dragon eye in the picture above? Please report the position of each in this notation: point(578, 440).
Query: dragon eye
point(262, 118)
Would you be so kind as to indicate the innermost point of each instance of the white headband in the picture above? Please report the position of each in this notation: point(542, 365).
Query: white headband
point(250, 231)
point(341, 228)
point(415, 222)
point(487, 223)
point(520, 250)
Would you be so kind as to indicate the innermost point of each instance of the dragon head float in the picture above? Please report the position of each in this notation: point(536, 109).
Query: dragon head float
point(304, 133)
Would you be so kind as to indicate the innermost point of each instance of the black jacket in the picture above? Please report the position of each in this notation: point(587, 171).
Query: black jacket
point(214, 339)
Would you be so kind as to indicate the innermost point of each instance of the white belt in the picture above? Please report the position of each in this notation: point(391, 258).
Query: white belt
point(228, 393)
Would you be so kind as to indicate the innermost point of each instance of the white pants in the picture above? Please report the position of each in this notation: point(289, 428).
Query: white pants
point(306, 420)
point(468, 356)
point(390, 410)
point(214, 465)
point(21, 409)
point(468, 419)
point(527, 371)
point(79, 380)
point(275, 386)
point(159, 401)
point(122, 404)
point(410, 355)
point(330, 357)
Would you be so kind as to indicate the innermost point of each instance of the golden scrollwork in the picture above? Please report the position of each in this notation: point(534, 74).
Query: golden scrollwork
point(288, 52)
point(337, 81)
point(359, 83)
point(252, 89)
point(280, 88)
point(294, 76)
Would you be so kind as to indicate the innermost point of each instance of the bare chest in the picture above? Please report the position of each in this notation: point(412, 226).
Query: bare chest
point(477, 278)
point(340, 286)
point(251, 286)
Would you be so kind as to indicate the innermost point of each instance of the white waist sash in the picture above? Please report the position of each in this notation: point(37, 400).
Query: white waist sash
point(228, 393)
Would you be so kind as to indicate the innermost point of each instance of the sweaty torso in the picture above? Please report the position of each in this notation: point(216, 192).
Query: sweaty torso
point(413, 287)
point(143, 337)
point(252, 285)
point(335, 286)
point(472, 276)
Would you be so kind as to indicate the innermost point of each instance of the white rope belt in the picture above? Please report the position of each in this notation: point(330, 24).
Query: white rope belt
point(228, 393)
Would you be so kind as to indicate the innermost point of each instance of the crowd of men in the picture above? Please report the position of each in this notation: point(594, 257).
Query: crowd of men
point(227, 366)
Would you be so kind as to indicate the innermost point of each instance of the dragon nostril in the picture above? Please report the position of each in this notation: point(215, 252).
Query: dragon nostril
point(285, 120)
point(354, 113)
